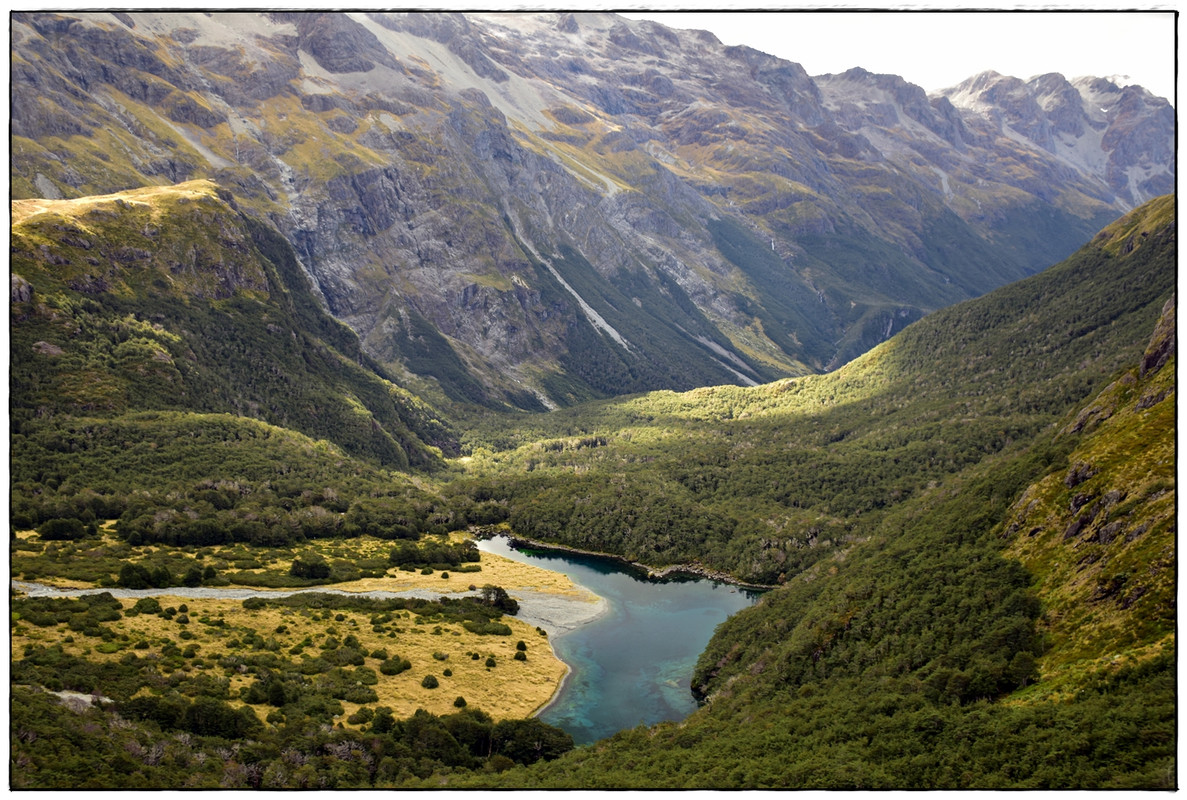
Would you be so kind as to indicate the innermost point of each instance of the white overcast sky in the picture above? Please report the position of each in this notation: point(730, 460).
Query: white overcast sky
point(934, 49)
point(938, 49)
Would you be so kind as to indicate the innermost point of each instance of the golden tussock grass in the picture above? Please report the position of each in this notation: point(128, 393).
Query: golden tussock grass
point(510, 689)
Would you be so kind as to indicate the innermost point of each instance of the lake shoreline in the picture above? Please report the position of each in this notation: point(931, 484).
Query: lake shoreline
point(653, 573)
point(556, 614)
point(628, 668)
point(603, 608)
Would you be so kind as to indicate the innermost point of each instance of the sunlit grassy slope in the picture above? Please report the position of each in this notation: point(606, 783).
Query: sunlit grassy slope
point(1100, 536)
point(765, 481)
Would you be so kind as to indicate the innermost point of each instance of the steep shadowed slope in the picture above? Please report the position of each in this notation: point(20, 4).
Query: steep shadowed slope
point(168, 298)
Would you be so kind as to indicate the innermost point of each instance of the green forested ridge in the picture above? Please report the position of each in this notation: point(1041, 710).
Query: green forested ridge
point(155, 367)
point(182, 479)
point(771, 479)
point(127, 303)
point(971, 528)
point(1009, 625)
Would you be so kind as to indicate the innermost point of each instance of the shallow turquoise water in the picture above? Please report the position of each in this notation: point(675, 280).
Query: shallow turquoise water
point(633, 665)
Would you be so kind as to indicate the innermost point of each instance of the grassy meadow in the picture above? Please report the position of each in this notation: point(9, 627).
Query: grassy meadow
point(214, 630)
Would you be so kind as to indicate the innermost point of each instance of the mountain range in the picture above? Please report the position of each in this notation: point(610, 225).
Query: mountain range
point(528, 210)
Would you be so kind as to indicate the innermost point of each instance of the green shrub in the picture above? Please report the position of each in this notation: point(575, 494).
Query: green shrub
point(312, 567)
point(364, 714)
point(487, 628)
point(497, 597)
point(147, 605)
point(360, 694)
point(429, 682)
point(394, 666)
point(62, 529)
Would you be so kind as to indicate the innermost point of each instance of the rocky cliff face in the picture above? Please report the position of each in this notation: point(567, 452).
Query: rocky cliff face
point(534, 209)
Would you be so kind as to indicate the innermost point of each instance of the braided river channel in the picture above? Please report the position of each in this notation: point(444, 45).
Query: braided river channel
point(633, 664)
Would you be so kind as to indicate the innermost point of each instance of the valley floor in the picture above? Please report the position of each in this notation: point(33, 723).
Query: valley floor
point(549, 604)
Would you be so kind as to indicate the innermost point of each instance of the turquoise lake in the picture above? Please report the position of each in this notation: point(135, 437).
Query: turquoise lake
point(633, 665)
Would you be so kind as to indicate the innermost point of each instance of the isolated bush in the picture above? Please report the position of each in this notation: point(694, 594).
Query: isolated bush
point(394, 666)
point(497, 597)
point(487, 628)
point(147, 605)
point(364, 714)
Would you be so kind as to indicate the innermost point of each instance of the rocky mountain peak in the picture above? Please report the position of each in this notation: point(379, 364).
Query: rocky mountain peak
point(862, 97)
point(1081, 123)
